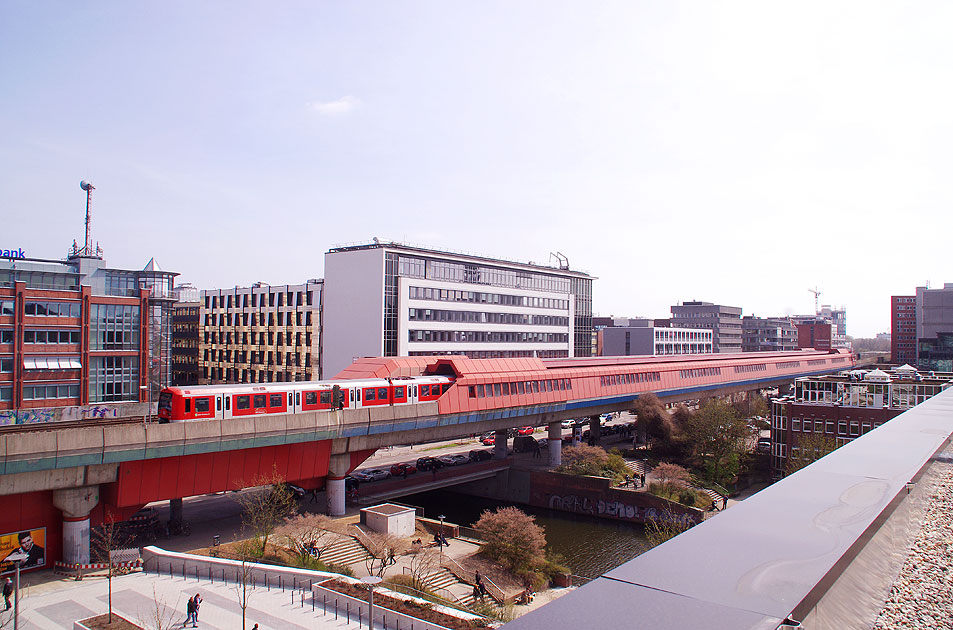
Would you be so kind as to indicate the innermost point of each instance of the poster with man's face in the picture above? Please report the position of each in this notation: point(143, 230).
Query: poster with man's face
point(30, 543)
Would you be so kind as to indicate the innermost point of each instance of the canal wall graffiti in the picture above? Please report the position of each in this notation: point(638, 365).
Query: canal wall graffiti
point(594, 496)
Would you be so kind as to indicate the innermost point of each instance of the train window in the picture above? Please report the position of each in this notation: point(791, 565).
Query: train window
point(398, 392)
point(506, 389)
point(569, 384)
point(326, 397)
point(259, 401)
point(227, 403)
point(276, 400)
point(188, 405)
point(297, 398)
point(425, 390)
point(521, 387)
point(218, 403)
point(415, 390)
point(381, 393)
point(496, 389)
point(535, 386)
point(549, 385)
point(357, 394)
point(480, 392)
point(472, 391)
point(311, 398)
point(446, 387)
point(202, 405)
point(370, 394)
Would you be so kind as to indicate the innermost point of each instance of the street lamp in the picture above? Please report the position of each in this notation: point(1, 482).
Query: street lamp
point(16, 559)
point(370, 580)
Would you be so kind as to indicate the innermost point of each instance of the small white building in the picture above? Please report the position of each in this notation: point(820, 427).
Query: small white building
point(388, 518)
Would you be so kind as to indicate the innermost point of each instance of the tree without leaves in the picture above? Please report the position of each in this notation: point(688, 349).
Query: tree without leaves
point(422, 564)
point(305, 532)
point(244, 582)
point(380, 548)
point(810, 448)
point(107, 539)
point(265, 506)
point(160, 615)
point(512, 538)
point(664, 528)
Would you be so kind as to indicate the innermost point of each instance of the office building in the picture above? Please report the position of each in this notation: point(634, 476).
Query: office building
point(185, 343)
point(655, 340)
point(390, 299)
point(74, 332)
point(814, 334)
point(839, 408)
point(261, 334)
point(768, 334)
point(723, 321)
point(903, 329)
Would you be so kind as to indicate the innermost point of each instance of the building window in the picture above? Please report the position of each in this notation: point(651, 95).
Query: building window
point(113, 379)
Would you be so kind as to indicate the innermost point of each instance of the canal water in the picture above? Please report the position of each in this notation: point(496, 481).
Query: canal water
point(591, 546)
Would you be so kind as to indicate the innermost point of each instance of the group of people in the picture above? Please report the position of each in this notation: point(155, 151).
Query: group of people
point(192, 611)
point(635, 479)
point(440, 540)
point(479, 588)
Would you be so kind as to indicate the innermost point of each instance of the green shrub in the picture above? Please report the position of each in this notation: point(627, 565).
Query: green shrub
point(687, 496)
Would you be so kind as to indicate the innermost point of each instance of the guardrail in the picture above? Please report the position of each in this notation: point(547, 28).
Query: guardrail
point(462, 574)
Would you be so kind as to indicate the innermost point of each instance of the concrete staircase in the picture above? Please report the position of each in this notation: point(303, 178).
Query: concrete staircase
point(344, 551)
point(443, 581)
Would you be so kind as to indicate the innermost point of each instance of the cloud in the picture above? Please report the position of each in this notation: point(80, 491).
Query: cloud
point(338, 107)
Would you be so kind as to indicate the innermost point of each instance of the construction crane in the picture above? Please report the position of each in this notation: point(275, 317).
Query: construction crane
point(817, 295)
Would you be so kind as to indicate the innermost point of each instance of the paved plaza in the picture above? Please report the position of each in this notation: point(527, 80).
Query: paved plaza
point(57, 605)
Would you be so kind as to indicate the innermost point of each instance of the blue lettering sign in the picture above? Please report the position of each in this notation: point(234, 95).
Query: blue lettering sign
point(12, 253)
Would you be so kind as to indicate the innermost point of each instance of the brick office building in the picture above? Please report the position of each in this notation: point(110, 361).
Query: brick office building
point(846, 406)
point(75, 332)
point(903, 329)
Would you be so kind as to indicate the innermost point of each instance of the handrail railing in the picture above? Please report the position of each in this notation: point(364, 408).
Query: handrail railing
point(462, 574)
point(453, 599)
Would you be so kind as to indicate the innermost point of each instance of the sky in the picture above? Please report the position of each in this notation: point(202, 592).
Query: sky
point(740, 153)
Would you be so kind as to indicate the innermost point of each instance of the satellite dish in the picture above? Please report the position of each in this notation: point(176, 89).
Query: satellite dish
point(85, 185)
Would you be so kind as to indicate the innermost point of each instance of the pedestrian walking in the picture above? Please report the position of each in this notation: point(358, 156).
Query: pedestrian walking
point(189, 613)
point(314, 496)
point(724, 502)
point(255, 627)
point(195, 616)
point(7, 593)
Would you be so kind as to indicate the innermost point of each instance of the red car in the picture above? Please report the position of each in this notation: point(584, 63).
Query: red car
point(524, 431)
point(399, 470)
point(488, 439)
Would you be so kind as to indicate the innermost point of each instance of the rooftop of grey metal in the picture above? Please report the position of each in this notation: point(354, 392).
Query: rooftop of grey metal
point(751, 565)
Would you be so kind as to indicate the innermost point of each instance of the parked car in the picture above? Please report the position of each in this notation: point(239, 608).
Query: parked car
point(488, 439)
point(361, 475)
point(568, 424)
point(428, 463)
point(399, 470)
point(454, 460)
point(764, 445)
point(377, 474)
point(543, 442)
point(298, 491)
point(524, 431)
point(480, 455)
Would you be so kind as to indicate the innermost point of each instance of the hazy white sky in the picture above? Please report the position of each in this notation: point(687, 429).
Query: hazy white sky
point(730, 152)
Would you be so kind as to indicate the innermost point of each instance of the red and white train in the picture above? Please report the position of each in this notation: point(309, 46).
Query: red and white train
point(200, 402)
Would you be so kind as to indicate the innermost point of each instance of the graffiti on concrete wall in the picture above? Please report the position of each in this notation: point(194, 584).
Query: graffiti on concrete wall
point(89, 412)
point(615, 509)
point(31, 416)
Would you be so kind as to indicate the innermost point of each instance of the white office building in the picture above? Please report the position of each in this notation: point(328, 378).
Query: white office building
point(390, 299)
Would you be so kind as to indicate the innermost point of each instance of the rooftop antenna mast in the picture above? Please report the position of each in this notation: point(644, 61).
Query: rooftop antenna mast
point(87, 249)
point(817, 295)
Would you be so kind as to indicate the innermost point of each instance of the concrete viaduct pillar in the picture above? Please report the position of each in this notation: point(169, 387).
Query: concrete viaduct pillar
point(500, 444)
point(76, 504)
point(335, 491)
point(594, 430)
point(554, 439)
point(175, 511)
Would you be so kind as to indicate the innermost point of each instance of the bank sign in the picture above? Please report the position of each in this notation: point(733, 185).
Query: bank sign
point(12, 253)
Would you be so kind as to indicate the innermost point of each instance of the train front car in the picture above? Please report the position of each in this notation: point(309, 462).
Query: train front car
point(166, 397)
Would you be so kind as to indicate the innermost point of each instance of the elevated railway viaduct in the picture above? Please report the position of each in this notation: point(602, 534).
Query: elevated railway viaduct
point(63, 480)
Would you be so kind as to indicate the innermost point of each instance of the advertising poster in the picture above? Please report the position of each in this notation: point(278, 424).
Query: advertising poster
point(31, 542)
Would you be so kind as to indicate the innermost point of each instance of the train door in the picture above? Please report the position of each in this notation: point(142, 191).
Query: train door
point(398, 395)
point(227, 411)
